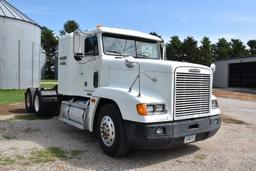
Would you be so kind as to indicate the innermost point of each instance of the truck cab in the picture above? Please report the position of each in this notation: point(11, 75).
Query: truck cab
point(118, 84)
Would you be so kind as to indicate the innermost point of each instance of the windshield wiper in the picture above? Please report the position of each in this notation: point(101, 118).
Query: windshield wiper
point(142, 56)
point(115, 52)
point(118, 53)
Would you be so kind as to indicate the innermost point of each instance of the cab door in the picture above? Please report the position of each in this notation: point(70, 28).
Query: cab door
point(89, 68)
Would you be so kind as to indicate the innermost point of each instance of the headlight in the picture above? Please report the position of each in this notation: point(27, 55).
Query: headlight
point(159, 108)
point(151, 109)
point(156, 108)
point(214, 104)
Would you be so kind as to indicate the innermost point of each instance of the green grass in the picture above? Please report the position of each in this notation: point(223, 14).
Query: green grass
point(30, 130)
point(11, 96)
point(6, 161)
point(28, 117)
point(200, 157)
point(48, 83)
point(75, 153)
point(14, 96)
point(48, 80)
point(230, 120)
point(8, 136)
point(37, 156)
point(47, 155)
point(47, 86)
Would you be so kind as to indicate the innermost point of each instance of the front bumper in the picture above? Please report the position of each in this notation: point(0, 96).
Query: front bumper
point(144, 136)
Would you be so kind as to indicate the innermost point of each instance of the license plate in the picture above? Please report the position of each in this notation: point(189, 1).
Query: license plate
point(189, 138)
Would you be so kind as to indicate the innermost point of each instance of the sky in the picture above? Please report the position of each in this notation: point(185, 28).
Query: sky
point(196, 18)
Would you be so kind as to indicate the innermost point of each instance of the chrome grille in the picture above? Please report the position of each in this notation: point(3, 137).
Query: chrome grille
point(192, 94)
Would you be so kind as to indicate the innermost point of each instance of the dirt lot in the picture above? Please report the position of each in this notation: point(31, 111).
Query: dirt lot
point(29, 143)
point(241, 94)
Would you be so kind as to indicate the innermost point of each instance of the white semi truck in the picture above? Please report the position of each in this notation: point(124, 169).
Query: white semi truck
point(117, 84)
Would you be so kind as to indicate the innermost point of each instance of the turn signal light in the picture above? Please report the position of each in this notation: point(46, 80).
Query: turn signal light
point(142, 109)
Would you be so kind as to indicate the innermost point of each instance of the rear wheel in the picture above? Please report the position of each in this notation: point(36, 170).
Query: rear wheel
point(29, 102)
point(111, 132)
point(39, 106)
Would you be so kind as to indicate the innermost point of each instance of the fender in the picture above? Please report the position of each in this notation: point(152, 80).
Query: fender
point(127, 101)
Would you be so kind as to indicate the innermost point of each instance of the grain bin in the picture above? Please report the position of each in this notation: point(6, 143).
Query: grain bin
point(20, 39)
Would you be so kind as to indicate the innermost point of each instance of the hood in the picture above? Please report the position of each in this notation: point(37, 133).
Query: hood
point(119, 76)
point(151, 65)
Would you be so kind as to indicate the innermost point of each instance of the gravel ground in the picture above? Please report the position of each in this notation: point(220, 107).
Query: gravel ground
point(232, 148)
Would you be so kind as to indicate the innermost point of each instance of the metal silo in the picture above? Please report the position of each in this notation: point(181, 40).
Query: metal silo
point(20, 39)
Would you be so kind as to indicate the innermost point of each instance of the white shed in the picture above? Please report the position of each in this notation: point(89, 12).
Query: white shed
point(20, 39)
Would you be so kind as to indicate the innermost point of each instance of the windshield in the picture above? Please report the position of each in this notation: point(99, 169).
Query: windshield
point(129, 46)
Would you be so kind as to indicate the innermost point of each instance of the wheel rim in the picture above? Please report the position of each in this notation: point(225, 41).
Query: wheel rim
point(36, 103)
point(107, 130)
point(28, 102)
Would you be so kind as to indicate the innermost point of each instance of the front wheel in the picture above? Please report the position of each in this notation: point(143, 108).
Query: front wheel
point(111, 132)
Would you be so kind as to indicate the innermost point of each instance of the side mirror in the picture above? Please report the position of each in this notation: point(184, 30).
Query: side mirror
point(129, 62)
point(77, 49)
point(213, 67)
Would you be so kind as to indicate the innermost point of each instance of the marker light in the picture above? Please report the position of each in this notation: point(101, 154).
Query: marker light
point(142, 109)
point(99, 25)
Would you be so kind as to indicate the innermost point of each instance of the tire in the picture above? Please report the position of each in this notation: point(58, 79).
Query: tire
point(114, 146)
point(29, 101)
point(39, 107)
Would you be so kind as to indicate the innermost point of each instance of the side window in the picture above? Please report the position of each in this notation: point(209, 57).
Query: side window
point(91, 46)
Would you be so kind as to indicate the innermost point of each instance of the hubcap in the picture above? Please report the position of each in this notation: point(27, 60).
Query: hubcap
point(36, 103)
point(107, 130)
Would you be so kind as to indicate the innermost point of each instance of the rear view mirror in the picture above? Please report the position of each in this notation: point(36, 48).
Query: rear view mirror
point(163, 50)
point(77, 46)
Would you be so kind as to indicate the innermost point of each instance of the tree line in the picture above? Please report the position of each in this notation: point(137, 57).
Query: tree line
point(187, 50)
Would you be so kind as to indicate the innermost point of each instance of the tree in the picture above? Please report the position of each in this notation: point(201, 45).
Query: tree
point(238, 49)
point(222, 49)
point(155, 34)
point(206, 53)
point(69, 27)
point(174, 49)
point(49, 43)
point(190, 50)
point(252, 46)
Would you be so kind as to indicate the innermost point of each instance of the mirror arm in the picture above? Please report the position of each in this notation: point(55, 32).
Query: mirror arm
point(137, 78)
point(163, 50)
point(78, 56)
